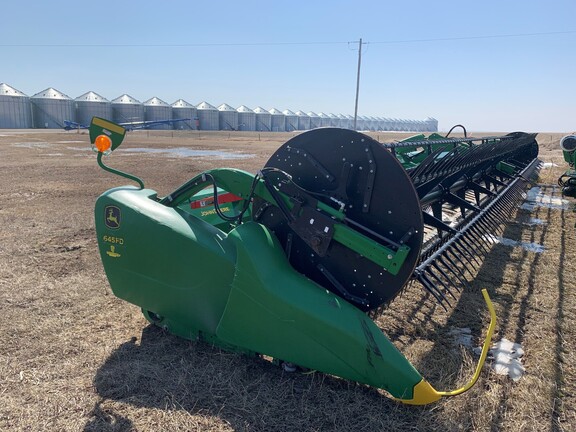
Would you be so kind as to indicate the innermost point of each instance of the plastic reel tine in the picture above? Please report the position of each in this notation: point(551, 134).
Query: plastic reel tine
point(450, 267)
point(458, 258)
point(488, 224)
point(491, 225)
point(438, 290)
point(478, 240)
point(466, 255)
point(479, 232)
point(448, 279)
point(426, 283)
point(464, 243)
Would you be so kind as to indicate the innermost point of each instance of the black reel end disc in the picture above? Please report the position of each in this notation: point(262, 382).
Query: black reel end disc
point(351, 171)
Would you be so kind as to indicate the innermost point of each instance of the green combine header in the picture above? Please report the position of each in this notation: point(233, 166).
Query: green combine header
point(294, 261)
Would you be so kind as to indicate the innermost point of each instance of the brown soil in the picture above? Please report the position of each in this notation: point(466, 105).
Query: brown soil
point(74, 357)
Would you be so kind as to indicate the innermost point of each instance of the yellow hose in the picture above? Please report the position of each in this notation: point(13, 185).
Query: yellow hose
point(424, 393)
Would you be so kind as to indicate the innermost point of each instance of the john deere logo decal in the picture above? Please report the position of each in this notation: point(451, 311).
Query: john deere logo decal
point(112, 217)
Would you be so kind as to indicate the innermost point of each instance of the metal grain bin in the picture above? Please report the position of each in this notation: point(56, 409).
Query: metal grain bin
point(126, 109)
point(208, 116)
point(343, 121)
point(50, 108)
point(90, 105)
point(334, 120)
point(324, 119)
point(361, 123)
point(278, 120)
point(246, 118)
point(156, 110)
point(431, 124)
point(303, 120)
point(291, 120)
point(386, 124)
point(315, 121)
point(227, 117)
point(15, 108)
point(374, 123)
point(350, 121)
point(184, 110)
point(263, 119)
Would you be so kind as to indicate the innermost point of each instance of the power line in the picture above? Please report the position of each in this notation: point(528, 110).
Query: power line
point(168, 45)
point(256, 44)
point(501, 36)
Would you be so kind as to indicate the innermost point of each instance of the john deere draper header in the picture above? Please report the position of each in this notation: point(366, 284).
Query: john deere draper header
point(294, 261)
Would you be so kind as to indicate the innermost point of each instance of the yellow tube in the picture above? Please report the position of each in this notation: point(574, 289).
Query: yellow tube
point(424, 393)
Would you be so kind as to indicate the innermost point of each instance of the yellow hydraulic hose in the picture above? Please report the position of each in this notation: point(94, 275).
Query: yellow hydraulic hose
point(424, 393)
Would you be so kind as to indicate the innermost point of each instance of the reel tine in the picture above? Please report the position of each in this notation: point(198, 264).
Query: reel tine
point(478, 240)
point(455, 270)
point(446, 277)
point(469, 256)
point(464, 242)
point(457, 256)
point(431, 288)
point(452, 266)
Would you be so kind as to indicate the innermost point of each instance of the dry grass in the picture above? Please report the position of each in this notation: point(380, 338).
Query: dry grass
point(76, 358)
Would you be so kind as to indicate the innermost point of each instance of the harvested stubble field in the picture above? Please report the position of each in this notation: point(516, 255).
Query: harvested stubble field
point(76, 358)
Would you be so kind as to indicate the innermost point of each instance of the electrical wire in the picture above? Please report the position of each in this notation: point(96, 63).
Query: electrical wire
point(256, 44)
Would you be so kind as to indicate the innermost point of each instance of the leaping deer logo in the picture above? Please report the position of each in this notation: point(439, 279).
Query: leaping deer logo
point(112, 219)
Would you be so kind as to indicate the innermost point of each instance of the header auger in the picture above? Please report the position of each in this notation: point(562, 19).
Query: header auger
point(291, 262)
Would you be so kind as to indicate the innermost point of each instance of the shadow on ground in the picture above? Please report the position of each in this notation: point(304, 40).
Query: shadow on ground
point(167, 373)
point(164, 372)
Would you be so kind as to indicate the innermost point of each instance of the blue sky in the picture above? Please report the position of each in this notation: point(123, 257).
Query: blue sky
point(422, 58)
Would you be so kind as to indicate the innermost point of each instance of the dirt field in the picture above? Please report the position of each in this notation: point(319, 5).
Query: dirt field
point(73, 357)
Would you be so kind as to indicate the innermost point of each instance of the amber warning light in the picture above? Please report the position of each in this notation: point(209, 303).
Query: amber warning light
point(102, 144)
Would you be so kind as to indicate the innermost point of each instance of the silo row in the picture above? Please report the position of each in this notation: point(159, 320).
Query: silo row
point(51, 108)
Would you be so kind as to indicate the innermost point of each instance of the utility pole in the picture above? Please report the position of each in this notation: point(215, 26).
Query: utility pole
point(358, 81)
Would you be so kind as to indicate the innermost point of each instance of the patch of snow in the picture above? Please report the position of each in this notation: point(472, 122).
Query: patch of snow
point(536, 221)
point(507, 359)
point(530, 247)
point(461, 336)
point(32, 144)
point(536, 198)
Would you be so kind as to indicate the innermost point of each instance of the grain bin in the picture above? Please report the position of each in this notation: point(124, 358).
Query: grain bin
point(184, 110)
point(343, 121)
point(373, 123)
point(246, 118)
point(15, 108)
point(350, 119)
point(126, 109)
point(431, 124)
point(227, 117)
point(263, 119)
point(89, 105)
point(324, 119)
point(334, 120)
point(278, 123)
point(291, 120)
point(208, 116)
point(386, 124)
point(303, 120)
point(156, 110)
point(50, 108)
point(315, 121)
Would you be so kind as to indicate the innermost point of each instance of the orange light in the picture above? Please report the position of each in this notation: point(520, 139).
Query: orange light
point(103, 143)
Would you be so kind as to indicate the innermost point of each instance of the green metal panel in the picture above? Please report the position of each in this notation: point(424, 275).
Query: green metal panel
point(276, 311)
point(163, 259)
